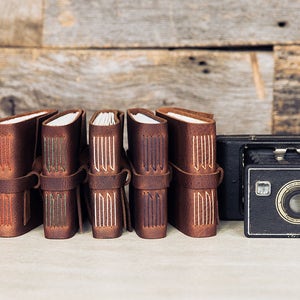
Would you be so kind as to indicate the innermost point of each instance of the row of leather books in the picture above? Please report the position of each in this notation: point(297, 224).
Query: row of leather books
point(52, 173)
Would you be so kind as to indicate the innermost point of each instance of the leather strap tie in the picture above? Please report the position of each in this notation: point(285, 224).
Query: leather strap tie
point(63, 183)
point(150, 182)
point(197, 181)
point(19, 184)
point(107, 182)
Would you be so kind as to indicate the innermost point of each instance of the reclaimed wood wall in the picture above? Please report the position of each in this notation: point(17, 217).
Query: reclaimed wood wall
point(236, 59)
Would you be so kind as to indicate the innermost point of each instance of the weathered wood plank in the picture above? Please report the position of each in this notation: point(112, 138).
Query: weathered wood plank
point(171, 23)
point(286, 116)
point(235, 86)
point(21, 22)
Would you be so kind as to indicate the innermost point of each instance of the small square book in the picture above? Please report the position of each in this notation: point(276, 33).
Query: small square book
point(108, 174)
point(21, 206)
point(148, 154)
point(63, 141)
point(193, 206)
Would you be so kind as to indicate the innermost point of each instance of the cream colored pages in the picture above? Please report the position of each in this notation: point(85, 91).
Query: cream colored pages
point(141, 118)
point(64, 119)
point(105, 119)
point(185, 118)
point(23, 118)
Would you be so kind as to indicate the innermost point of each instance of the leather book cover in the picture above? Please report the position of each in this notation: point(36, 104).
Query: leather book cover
point(192, 153)
point(108, 174)
point(20, 203)
point(63, 140)
point(148, 154)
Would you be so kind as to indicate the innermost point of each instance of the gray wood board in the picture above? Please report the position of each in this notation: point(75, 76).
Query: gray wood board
point(286, 116)
point(236, 86)
point(21, 22)
point(172, 23)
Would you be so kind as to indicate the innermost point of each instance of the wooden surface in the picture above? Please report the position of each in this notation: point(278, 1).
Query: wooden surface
point(236, 86)
point(172, 23)
point(68, 65)
point(286, 112)
point(228, 266)
point(155, 23)
point(21, 22)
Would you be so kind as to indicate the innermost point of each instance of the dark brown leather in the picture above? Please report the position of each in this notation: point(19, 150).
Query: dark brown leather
point(101, 182)
point(148, 153)
point(20, 203)
point(155, 182)
point(107, 177)
point(192, 154)
point(19, 184)
point(63, 183)
point(62, 174)
point(197, 181)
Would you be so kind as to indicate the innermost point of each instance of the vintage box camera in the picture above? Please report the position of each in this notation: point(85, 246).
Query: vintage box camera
point(261, 183)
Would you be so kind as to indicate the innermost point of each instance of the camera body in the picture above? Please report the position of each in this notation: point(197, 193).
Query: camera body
point(261, 183)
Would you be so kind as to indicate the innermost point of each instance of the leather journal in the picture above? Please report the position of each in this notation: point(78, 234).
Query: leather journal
point(108, 174)
point(148, 155)
point(20, 200)
point(192, 202)
point(63, 141)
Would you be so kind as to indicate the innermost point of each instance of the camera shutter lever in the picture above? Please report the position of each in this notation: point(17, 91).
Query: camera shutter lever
point(279, 154)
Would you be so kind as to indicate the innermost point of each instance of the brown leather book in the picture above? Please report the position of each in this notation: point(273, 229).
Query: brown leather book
point(148, 154)
point(108, 174)
point(20, 204)
point(195, 175)
point(63, 140)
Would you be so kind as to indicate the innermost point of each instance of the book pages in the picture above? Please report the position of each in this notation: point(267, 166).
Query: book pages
point(105, 119)
point(14, 120)
point(185, 118)
point(64, 120)
point(141, 118)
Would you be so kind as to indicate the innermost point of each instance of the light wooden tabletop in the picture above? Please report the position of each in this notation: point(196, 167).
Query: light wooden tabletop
point(228, 266)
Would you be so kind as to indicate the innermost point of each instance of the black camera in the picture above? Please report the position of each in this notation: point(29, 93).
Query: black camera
point(261, 183)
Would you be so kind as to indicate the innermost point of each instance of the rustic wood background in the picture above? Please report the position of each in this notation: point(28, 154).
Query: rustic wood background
point(236, 59)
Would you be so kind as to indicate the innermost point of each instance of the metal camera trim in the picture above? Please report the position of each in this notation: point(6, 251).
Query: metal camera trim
point(230, 156)
point(249, 233)
point(281, 197)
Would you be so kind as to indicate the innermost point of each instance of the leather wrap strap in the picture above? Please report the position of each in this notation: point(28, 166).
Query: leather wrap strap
point(63, 183)
point(197, 181)
point(107, 182)
point(150, 182)
point(19, 184)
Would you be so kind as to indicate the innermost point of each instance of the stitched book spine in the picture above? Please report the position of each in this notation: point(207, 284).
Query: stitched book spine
point(105, 155)
point(61, 149)
point(193, 203)
point(149, 158)
point(20, 204)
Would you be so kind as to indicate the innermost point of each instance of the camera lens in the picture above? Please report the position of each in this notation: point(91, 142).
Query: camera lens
point(288, 202)
point(294, 203)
